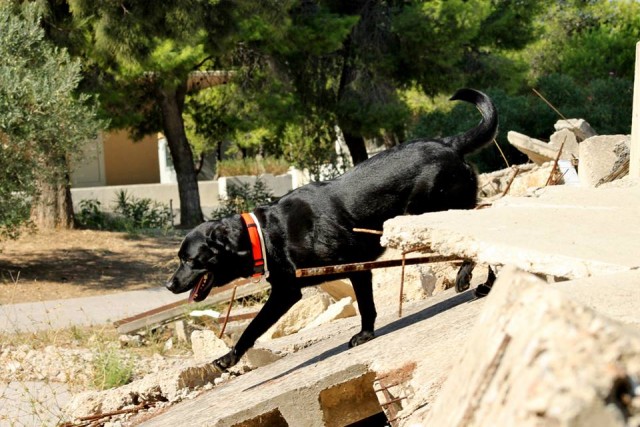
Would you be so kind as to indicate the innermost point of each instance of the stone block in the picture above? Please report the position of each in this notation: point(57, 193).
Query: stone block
point(338, 310)
point(206, 346)
point(568, 141)
point(536, 357)
point(259, 357)
point(538, 151)
point(170, 385)
point(579, 127)
point(338, 289)
point(299, 316)
point(599, 156)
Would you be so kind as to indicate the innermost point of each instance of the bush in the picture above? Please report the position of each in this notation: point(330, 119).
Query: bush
point(90, 215)
point(142, 213)
point(130, 214)
point(243, 198)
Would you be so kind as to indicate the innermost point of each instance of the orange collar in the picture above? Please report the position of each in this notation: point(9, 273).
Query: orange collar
point(257, 245)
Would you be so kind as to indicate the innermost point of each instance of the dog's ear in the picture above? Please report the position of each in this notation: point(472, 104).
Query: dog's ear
point(224, 235)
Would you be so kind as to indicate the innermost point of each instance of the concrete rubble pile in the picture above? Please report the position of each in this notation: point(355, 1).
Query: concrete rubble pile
point(583, 158)
point(556, 342)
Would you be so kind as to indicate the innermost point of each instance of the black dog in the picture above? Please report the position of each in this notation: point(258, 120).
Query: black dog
point(313, 225)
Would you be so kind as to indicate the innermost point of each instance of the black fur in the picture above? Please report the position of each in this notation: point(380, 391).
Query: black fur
point(313, 225)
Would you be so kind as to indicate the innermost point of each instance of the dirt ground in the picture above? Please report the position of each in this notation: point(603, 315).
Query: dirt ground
point(75, 263)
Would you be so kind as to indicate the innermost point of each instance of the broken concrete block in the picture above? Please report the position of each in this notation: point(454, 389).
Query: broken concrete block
point(528, 178)
point(538, 151)
point(338, 289)
point(259, 357)
point(338, 310)
point(206, 346)
point(599, 156)
point(580, 128)
point(300, 315)
point(568, 141)
point(535, 358)
point(170, 385)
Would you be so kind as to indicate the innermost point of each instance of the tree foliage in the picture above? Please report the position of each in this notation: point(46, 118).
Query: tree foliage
point(144, 53)
point(42, 123)
point(587, 39)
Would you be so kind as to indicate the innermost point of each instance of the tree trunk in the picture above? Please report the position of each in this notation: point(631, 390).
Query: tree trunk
point(172, 102)
point(354, 142)
point(356, 146)
point(53, 207)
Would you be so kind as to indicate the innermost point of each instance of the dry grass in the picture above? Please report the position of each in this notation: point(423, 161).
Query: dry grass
point(77, 263)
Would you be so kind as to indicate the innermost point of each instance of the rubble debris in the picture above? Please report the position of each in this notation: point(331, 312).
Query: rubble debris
point(544, 360)
point(206, 346)
point(568, 141)
point(530, 177)
point(338, 310)
point(339, 289)
point(538, 151)
point(299, 316)
point(257, 357)
point(162, 388)
point(600, 156)
point(580, 128)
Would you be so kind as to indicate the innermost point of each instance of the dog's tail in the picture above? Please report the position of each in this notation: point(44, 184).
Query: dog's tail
point(484, 132)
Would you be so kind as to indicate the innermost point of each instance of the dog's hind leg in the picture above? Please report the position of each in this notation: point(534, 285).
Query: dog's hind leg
point(363, 287)
point(281, 299)
point(483, 289)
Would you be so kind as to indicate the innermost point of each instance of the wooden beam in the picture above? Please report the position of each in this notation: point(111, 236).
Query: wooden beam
point(178, 309)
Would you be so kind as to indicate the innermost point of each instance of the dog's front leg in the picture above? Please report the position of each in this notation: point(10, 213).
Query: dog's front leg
point(363, 287)
point(279, 302)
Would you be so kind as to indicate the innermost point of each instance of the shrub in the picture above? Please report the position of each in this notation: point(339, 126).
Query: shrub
point(243, 198)
point(91, 216)
point(130, 214)
point(142, 213)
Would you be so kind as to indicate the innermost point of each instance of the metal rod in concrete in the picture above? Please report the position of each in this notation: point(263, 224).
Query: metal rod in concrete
point(370, 265)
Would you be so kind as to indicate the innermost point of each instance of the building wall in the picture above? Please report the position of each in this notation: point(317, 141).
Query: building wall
point(87, 170)
point(128, 162)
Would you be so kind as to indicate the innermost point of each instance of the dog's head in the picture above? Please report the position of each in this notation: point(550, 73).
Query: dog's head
point(210, 255)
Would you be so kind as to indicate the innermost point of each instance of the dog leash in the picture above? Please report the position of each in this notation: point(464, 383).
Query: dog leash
point(258, 248)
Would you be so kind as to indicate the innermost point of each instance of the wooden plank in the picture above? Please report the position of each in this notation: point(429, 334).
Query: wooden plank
point(170, 312)
point(370, 265)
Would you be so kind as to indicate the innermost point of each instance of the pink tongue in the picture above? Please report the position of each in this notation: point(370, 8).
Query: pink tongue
point(196, 288)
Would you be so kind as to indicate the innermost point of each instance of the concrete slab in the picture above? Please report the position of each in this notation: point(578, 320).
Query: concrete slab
point(616, 296)
point(536, 357)
point(566, 232)
point(425, 344)
point(299, 387)
point(96, 310)
point(538, 151)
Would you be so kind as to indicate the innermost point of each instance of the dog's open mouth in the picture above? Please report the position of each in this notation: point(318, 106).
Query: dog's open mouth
point(201, 290)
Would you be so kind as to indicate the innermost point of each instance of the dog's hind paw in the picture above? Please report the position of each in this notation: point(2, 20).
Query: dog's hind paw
point(361, 338)
point(225, 362)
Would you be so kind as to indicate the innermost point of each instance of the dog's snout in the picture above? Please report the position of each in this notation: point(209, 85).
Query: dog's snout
point(171, 284)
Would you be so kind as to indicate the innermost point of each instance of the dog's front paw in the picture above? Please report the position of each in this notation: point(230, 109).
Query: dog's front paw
point(361, 338)
point(225, 362)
